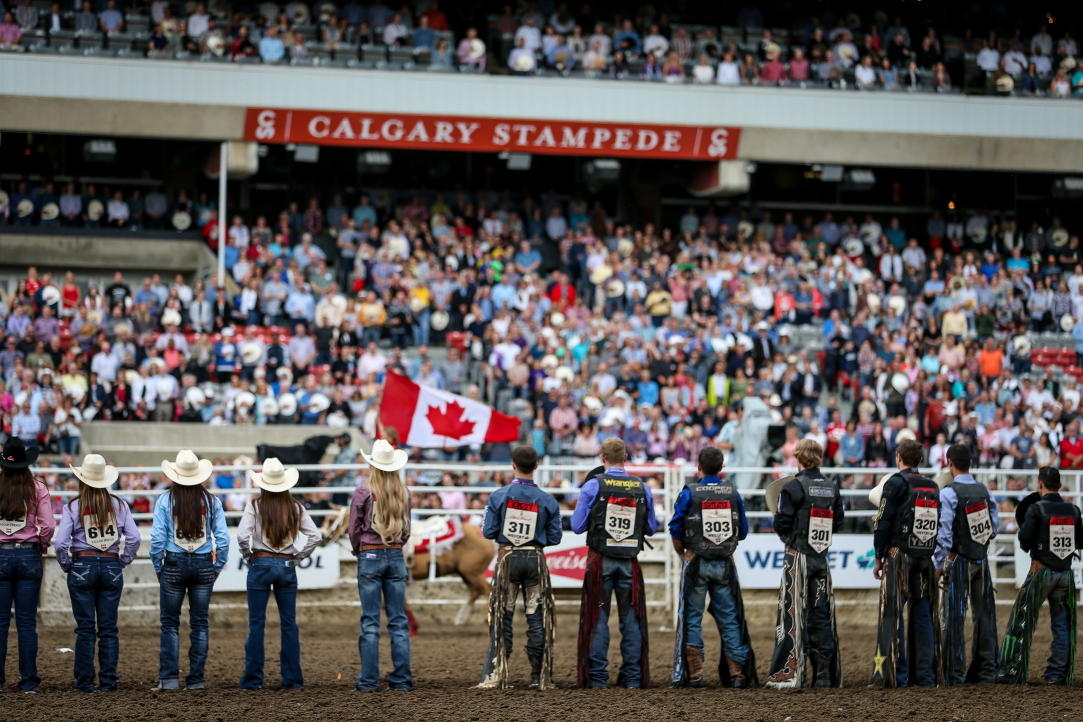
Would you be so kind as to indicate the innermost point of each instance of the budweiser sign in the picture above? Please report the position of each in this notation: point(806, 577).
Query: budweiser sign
point(567, 561)
point(490, 135)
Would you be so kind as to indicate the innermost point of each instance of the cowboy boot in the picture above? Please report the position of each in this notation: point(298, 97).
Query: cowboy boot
point(695, 667)
point(737, 674)
point(822, 666)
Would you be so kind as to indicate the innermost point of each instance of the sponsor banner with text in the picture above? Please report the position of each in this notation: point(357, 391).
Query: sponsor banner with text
point(319, 571)
point(759, 561)
point(490, 135)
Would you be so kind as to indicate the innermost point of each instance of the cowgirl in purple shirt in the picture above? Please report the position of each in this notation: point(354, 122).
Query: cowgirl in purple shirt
point(88, 550)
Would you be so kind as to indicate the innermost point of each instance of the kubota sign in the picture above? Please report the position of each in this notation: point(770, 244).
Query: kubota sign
point(490, 135)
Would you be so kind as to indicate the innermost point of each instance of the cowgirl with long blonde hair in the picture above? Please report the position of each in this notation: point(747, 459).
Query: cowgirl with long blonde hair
point(379, 526)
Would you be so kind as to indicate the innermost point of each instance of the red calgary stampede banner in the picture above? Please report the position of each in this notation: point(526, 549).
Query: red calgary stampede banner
point(490, 135)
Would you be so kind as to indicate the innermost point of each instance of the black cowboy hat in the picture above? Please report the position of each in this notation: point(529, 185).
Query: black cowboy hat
point(1025, 503)
point(17, 456)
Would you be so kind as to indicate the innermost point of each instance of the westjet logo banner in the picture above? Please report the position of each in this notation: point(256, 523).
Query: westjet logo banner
point(490, 135)
point(760, 557)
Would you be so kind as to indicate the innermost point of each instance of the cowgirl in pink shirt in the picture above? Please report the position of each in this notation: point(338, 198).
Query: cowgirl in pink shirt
point(26, 528)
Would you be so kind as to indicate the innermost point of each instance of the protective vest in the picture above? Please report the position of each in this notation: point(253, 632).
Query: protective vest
point(972, 527)
point(917, 518)
point(814, 525)
point(618, 518)
point(713, 523)
point(1056, 534)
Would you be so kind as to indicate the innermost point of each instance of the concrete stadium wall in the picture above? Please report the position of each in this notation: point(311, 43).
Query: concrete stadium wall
point(127, 444)
point(71, 252)
point(207, 100)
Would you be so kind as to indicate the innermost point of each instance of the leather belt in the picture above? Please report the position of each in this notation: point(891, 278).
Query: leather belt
point(271, 555)
point(371, 547)
point(20, 545)
point(108, 555)
point(523, 548)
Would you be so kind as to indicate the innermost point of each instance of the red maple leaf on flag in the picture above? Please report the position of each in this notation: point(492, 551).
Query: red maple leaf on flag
point(450, 422)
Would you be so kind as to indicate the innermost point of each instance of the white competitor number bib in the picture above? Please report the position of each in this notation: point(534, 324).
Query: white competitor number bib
point(520, 522)
point(820, 527)
point(717, 520)
point(978, 522)
point(101, 538)
point(1062, 536)
point(10, 526)
point(925, 521)
point(620, 517)
point(190, 545)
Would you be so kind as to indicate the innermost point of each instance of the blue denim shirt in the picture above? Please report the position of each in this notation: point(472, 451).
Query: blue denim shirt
point(590, 493)
point(161, 534)
point(547, 531)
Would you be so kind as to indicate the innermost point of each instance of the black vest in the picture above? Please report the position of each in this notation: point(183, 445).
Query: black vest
point(924, 494)
point(1060, 514)
point(973, 500)
point(820, 495)
point(618, 518)
point(724, 523)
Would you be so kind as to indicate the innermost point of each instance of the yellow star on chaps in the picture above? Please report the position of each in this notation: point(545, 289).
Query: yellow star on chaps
point(879, 659)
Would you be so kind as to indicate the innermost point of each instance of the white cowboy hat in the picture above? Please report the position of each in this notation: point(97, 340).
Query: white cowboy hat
point(195, 397)
point(524, 63)
point(550, 361)
point(385, 456)
point(676, 340)
point(287, 404)
point(1022, 345)
point(417, 304)
point(182, 220)
point(1067, 323)
point(774, 490)
point(318, 403)
point(978, 233)
point(269, 406)
point(593, 403)
point(944, 478)
point(4, 199)
point(25, 208)
point(745, 228)
point(338, 420)
point(905, 434)
point(874, 302)
point(745, 342)
point(626, 247)
point(775, 400)
point(898, 303)
point(1060, 236)
point(1005, 84)
point(95, 472)
point(95, 209)
point(614, 288)
point(900, 382)
point(565, 373)
point(274, 476)
point(477, 49)
point(439, 320)
point(188, 469)
point(878, 491)
point(247, 399)
point(75, 392)
point(339, 302)
point(284, 372)
point(601, 274)
point(50, 295)
point(556, 319)
point(171, 318)
point(164, 392)
point(251, 352)
point(51, 210)
point(854, 247)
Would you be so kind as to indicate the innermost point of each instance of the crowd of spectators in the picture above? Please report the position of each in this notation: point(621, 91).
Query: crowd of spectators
point(853, 329)
point(870, 51)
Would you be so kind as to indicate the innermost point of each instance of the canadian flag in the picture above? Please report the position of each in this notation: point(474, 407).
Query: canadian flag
point(433, 419)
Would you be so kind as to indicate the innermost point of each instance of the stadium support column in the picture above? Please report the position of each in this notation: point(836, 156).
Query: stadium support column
point(222, 172)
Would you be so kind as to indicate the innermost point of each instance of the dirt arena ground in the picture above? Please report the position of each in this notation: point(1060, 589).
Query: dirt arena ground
point(447, 662)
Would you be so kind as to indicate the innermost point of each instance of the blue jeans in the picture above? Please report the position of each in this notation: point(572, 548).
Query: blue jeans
point(713, 577)
point(20, 583)
point(264, 575)
point(95, 584)
point(421, 328)
point(616, 577)
point(381, 573)
point(1056, 590)
point(192, 574)
point(68, 445)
